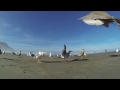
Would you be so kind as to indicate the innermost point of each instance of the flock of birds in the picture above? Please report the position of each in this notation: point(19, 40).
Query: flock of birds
point(99, 18)
point(39, 54)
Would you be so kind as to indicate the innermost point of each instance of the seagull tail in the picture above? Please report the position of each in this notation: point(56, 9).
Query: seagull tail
point(117, 20)
point(79, 19)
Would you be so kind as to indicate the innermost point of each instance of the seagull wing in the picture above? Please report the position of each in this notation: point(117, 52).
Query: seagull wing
point(64, 51)
point(97, 14)
point(106, 21)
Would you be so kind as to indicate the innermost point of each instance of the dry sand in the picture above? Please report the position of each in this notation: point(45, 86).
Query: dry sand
point(96, 66)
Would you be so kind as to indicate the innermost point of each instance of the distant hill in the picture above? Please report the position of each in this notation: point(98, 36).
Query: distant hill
point(4, 46)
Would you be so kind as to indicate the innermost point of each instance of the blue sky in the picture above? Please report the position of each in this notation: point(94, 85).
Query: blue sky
point(50, 30)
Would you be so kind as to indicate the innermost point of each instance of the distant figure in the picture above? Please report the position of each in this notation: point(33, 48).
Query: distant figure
point(65, 54)
point(81, 53)
point(105, 50)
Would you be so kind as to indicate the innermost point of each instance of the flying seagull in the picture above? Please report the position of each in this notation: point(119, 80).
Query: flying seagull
point(100, 18)
point(64, 53)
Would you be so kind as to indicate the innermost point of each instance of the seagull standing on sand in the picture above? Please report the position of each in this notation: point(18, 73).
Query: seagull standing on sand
point(19, 54)
point(117, 50)
point(0, 51)
point(100, 18)
point(31, 54)
point(39, 55)
point(3, 52)
point(50, 54)
point(81, 53)
point(13, 53)
point(65, 54)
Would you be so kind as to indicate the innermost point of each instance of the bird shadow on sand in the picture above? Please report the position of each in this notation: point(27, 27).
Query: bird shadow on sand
point(51, 61)
point(78, 60)
point(114, 55)
point(8, 59)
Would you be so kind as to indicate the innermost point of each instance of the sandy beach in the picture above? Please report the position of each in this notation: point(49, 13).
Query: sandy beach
point(93, 66)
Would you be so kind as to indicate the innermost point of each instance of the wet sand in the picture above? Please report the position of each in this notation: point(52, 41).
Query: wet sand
point(94, 66)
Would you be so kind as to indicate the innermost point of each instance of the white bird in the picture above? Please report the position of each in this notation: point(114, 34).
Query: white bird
point(117, 50)
point(42, 53)
point(19, 54)
point(65, 54)
point(57, 56)
point(85, 54)
point(62, 56)
point(81, 53)
point(28, 54)
point(100, 18)
point(31, 54)
point(50, 54)
point(3, 52)
point(39, 55)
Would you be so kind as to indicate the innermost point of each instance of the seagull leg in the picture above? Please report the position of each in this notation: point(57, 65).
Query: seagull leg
point(39, 61)
point(65, 60)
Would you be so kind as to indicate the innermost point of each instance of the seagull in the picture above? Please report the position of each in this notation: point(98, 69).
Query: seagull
point(81, 53)
point(13, 53)
point(31, 54)
point(100, 18)
point(65, 54)
point(50, 54)
point(19, 54)
point(117, 50)
point(0, 51)
point(3, 52)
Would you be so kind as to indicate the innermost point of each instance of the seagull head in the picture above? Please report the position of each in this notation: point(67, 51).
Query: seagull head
point(70, 51)
point(91, 21)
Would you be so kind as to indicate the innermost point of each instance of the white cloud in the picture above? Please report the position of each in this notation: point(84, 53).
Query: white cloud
point(17, 29)
point(6, 25)
point(2, 36)
point(26, 35)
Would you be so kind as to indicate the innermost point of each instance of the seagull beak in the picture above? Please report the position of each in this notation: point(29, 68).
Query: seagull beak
point(79, 18)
